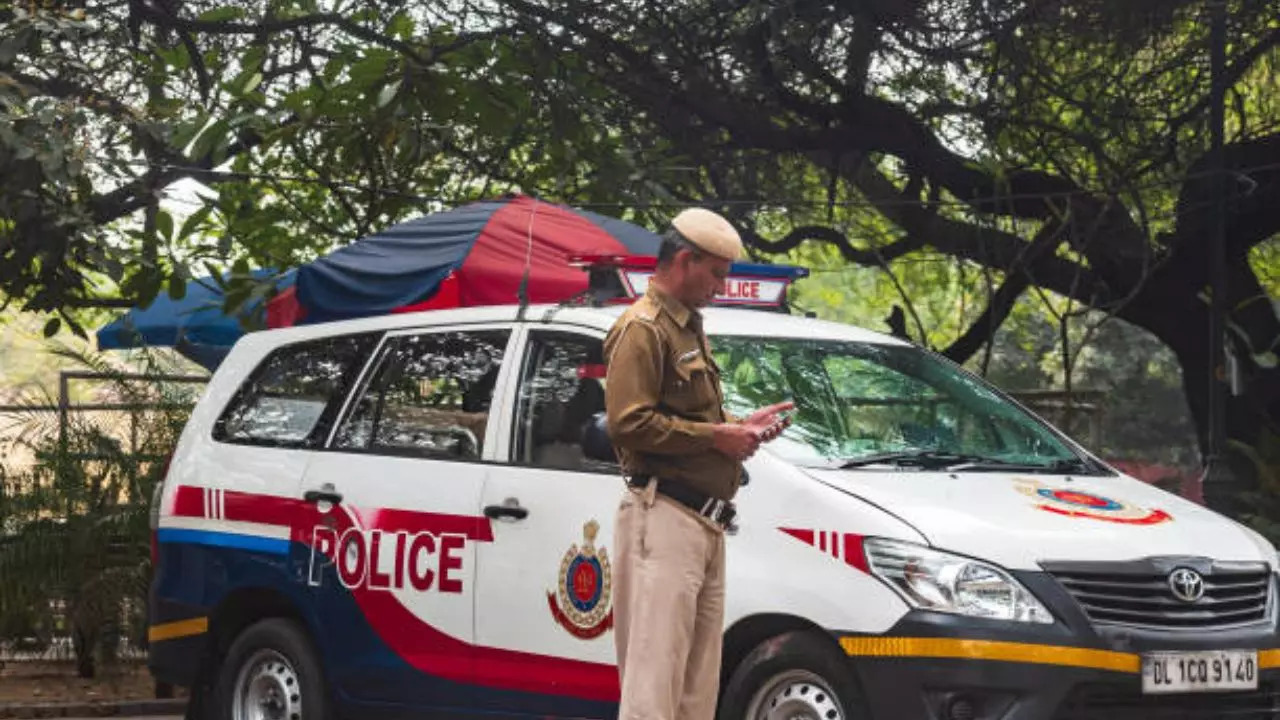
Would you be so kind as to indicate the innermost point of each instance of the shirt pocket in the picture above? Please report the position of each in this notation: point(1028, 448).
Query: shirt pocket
point(690, 391)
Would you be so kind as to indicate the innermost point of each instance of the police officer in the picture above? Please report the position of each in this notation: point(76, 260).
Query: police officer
point(682, 454)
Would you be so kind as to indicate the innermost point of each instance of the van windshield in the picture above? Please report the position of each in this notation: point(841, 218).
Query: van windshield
point(861, 402)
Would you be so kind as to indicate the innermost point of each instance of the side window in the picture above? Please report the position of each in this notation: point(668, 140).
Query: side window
point(561, 388)
point(291, 398)
point(430, 396)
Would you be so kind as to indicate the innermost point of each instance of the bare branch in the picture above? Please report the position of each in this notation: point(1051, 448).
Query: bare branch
point(983, 329)
point(136, 195)
point(165, 19)
point(793, 239)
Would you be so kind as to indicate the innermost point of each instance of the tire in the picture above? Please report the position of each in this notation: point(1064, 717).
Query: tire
point(793, 675)
point(272, 672)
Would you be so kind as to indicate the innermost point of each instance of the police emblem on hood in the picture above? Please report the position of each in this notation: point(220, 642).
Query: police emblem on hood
point(581, 602)
point(1083, 504)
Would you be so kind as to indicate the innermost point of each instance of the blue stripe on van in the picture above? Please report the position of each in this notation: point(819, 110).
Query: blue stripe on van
point(255, 543)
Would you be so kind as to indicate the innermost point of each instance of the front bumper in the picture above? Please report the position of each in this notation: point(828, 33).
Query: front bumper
point(939, 688)
point(933, 666)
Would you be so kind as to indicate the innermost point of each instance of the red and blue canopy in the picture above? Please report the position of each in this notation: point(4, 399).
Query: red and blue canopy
point(474, 255)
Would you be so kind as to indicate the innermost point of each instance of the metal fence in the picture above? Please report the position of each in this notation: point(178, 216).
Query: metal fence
point(115, 418)
point(1078, 414)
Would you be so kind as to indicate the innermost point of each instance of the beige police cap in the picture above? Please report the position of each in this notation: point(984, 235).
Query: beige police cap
point(709, 232)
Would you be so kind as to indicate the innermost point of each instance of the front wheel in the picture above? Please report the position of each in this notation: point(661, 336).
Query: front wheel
point(272, 672)
point(794, 676)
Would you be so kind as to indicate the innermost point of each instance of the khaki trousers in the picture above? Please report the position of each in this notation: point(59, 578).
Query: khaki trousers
point(669, 583)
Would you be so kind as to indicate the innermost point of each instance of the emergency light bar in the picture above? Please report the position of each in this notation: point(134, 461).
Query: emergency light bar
point(623, 278)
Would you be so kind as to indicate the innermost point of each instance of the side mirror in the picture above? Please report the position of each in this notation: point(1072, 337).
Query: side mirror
point(595, 440)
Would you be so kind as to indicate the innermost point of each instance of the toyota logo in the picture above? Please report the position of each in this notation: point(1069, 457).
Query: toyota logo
point(1187, 585)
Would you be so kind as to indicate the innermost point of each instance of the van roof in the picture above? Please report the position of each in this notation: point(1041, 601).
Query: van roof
point(718, 321)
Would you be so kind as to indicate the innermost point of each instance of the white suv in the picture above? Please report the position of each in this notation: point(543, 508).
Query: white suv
point(399, 516)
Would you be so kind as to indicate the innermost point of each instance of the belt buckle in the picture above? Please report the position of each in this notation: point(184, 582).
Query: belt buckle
point(714, 510)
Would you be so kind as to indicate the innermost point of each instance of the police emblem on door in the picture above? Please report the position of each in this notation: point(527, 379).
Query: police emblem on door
point(581, 601)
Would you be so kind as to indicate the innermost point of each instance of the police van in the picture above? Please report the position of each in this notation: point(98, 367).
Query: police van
point(412, 515)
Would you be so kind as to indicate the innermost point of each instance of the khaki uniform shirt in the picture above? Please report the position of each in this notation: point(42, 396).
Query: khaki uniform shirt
point(662, 395)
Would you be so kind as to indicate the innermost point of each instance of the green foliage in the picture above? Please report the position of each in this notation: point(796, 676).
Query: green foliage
point(290, 142)
point(74, 542)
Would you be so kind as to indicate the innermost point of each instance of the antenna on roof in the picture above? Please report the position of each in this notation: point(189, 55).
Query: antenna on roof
point(522, 293)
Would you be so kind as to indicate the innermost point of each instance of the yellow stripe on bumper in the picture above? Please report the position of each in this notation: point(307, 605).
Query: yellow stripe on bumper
point(991, 650)
point(179, 629)
point(1011, 652)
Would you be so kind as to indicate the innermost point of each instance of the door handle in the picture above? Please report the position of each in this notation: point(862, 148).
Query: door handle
point(510, 509)
point(324, 494)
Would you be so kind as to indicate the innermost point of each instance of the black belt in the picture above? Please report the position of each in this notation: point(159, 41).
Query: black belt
point(720, 512)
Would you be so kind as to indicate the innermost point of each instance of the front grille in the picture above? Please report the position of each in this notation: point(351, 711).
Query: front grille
point(1126, 702)
point(1231, 597)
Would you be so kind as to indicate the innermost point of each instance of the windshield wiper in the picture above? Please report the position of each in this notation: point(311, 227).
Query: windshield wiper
point(938, 460)
point(922, 458)
point(1063, 466)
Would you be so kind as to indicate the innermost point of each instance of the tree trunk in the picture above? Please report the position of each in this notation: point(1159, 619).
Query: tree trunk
point(1182, 323)
point(84, 644)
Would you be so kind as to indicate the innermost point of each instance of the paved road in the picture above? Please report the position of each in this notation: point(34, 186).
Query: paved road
point(133, 718)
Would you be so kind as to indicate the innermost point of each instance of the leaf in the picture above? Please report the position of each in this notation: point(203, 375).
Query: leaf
point(164, 224)
point(216, 274)
point(175, 57)
point(177, 286)
point(193, 223)
point(251, 84)
point(254, 57)
point(401, 26)
point(388, 93)
point(235, 298)
point(184, 133)
point(77, 330)
point(51, 328)
point(226, 13)
point(209, 139)
point(372, 68)
point(8, 50)
point(149, 288)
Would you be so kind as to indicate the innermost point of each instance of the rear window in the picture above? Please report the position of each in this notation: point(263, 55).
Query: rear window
point(291, 398)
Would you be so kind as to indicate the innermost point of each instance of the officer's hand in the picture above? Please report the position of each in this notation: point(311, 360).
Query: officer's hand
point(768, 423)
point(737, 441)
point(765, 416)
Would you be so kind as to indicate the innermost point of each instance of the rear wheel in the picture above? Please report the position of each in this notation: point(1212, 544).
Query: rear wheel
point(272, 672)
point(794, 676)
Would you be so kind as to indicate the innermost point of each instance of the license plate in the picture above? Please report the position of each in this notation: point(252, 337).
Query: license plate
point(1192, 672)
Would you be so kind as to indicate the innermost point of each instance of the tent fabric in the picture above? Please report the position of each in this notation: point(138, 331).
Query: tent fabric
point(548, 235)
point(197, 319)
point(195, 326)
point(396, 267)
point(473, 255)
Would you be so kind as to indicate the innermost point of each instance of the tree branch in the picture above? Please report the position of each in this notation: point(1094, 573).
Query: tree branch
point(164, 19)
point(988, 246)
point(871, 258)
point(65, 89)
point(1235, 70)
point(134, 196)
point(983, 329)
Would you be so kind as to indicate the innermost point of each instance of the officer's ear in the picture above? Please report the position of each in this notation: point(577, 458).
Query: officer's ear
point(596, 443)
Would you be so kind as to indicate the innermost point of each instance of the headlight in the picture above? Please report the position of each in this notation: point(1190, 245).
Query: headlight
point(940, 581)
